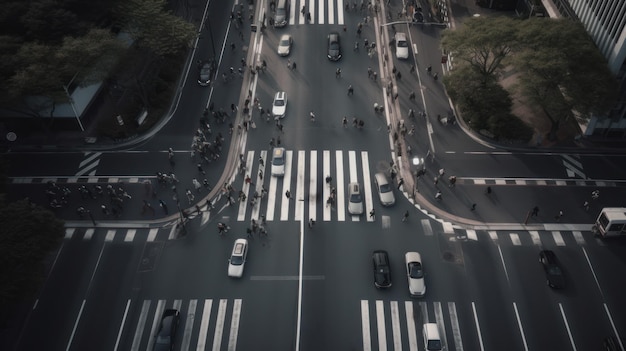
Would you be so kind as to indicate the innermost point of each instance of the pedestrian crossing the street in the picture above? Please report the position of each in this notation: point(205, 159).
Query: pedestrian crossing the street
point(121, 235)
point(205, 324)
point(305, 180)
point(397, 325)
point(319, 11)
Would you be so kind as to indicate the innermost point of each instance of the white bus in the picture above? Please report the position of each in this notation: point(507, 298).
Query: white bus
point(611, 222)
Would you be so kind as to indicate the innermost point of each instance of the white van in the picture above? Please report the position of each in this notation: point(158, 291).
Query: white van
point(432, 341)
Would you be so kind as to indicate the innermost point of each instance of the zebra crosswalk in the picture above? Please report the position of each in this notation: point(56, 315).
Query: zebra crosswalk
point(125, 235)
point(406, 319)
point(320, 11)
point(308, 170)
point(531, 237)
point(205, 324)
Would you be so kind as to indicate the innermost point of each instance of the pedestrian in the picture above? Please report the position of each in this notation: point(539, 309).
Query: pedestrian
point(262, 218)
point(261, 175)
point(595, 194)
point(105, 210)
point(288, 194)
point(344, 122)
point(535, 212)
point(328, 180)
point(81, 211)
point(398, 75)
point(198, 209)
point(249, 233)
point(441, 172)
point(206, 184)
point(163, 206)
point(197, 184)
point(312, 116)
point(412, 96)
point(488, 191)
point(412, 68)
point(289, 64)
point(473, 207)
point(558, 216)
point(452, 181)
point(293, 66)
point(200, 168)
point(373, 214)
point(406, 216)
point(374, 76)
point(436, 75)
point(400, 183)
point(586, 205)
point(338, 73)
point(369, 72)
point(438, 195)
point(311, 222)
point(248, 180)
point(436, 180)
point(190, 196)
point(233, 46)
point(261, 161)
point(350, 90)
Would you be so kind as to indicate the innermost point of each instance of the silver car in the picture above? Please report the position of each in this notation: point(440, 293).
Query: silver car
point(415, 274)
point(278, 162)
point(284, 45)
point(384, 189)
point(237, 259)
point(355, 199)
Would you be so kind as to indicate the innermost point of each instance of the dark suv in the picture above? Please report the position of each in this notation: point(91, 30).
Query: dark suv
point(334, 46)
point(382, 270)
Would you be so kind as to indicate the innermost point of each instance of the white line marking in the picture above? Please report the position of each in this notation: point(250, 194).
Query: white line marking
point(428, 229)
point(219, 325)
point(521, 328)
point(617, 336)
point(380, 324)
point(410, 325)
point(367, 185)
point(284, 205)
point(234, 326)
point(140, 325)
point(558, 238)
point(340, 198)
point(191, 317)
point(300, 185)
point(313, 186)
point(515, 239)
point(204, 325)
point(478, 333)
point(534, 235)
point(395, 326)
point(130, 235)
point(80, 313)
point(440, 323)
point(326, 191)
point(152, 234)
point(569, 332)
point(110, 235)
point(471, 234)
point(119, 333)
point(365, 326)
point(456, 330)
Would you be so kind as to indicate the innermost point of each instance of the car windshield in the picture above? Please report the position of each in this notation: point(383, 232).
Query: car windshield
point(434, 345)
point(554, 270)
point(403, 44)
point(385, 188)
point(415, 270)
point(334, 46)
point(278, 161)
point(279, 102)
point(236, 260)
point(284, 42)
point(355, 198)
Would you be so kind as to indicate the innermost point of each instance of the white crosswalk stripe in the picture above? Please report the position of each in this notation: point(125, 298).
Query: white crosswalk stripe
point(524, 238)
point(305, 179)
point(120, 235)
point(403, 323)
point(225, 317)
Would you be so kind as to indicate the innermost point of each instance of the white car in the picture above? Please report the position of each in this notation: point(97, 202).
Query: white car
point(279, 106)
point(402, 46)
point(284, 45)
point(415, 274)
point(355, 199)
point(278, 161)
point(237, 259)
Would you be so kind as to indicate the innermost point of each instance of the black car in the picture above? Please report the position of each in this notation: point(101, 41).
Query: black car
point(554, 274)
point(164, 338)
point(205, 74)
point(334, 46)
point(382, 270)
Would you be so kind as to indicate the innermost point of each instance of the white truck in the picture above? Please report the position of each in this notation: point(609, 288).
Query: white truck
point(611, 222)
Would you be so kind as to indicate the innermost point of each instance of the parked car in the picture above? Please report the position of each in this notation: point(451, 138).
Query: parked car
point(415, 274)
point(278, 161)
point(279, 105)
point(382, 269)
point(164, 338)
point(334, 46)
point(284, 45)
point(355, 199)
point(554, 274)
point(237, 260)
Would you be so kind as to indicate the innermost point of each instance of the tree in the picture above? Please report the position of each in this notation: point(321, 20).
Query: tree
point(155, 28)
point(482, 42)
point(29, 233)
point(562, 71)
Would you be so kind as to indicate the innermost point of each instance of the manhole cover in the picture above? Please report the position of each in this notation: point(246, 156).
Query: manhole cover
point(448, 256)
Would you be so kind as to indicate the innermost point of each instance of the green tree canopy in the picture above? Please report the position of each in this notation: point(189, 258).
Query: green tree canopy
point(29, 233)
point(154, 27)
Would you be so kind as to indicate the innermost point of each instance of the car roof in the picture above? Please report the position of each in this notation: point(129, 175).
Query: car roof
point(279, 151)
point(354, 187)
point(333, 36)
point(239, 246)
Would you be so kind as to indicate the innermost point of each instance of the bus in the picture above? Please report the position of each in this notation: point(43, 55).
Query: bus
point(611, 222)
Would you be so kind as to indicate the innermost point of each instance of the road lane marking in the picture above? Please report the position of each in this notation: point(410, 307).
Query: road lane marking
point(326, 191)
point(365, 326)
point(234, 326)
point(428, 229)
point(191, 317)
point(353, 175)
point(152, 234)
point(558, 238)
point(80, 313)
point(380, 324)
point(313, 186)
point(141, 323)
point(219, 325)
point(440, 323)
point(456, 330)
point(578, 235)
point(340, 200)
point(110, 235)
point(410, 325)
point(395, 326)
point(284, 204)
point(286, 277)
point(204, 325)
point(478, 333)
point(519, 325)
point(300, 185)
point(515, 239)
point(119, 333)
point(534, 235)
point(367, 185)
point(569, 332)
point(130, 235)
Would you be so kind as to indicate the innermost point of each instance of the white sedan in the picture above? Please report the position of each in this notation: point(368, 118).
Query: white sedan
point(279, 105)
point(415, 274)
point(237, 260)
point(284, 45)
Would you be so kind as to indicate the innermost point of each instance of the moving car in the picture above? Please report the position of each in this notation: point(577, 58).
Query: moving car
point(382, 270)
point(278, 161)
point(384, 189)
point(164, 338)
point(282, 13)
point(355, 199)
point(284, 45)
point(402, 46)
point(334, 46)
point(415, 274)
point(554, 274)
point(204, 76)
point(432, 340)
point(237, 259)
point(279, 105)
